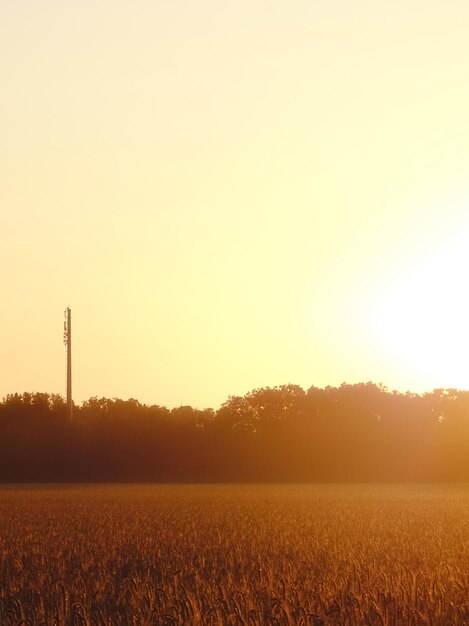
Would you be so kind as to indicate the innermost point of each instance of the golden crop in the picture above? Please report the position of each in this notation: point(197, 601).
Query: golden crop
point(240, 555)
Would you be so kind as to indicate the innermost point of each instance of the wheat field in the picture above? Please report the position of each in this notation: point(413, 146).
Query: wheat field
point(238, 554)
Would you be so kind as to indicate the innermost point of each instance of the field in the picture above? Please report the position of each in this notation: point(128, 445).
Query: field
point(214, 554)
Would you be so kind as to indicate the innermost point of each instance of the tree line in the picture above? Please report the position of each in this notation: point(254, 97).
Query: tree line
point(358, 433)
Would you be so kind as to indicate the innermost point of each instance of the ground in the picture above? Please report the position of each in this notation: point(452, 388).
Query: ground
point(234, 554)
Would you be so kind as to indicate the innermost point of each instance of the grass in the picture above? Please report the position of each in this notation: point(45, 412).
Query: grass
point(214, 554)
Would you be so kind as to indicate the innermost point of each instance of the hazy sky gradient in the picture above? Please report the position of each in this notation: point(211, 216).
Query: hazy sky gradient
point(233, 194)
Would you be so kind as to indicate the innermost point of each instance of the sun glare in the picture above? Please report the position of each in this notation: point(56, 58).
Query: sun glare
point(422, 319)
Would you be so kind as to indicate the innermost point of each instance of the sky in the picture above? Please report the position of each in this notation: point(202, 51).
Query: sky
point(231, 195)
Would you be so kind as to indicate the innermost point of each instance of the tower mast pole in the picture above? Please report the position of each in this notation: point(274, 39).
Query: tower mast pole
point(68, 344)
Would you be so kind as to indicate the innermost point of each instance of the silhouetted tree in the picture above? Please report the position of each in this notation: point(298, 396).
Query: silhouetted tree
point(361, 432)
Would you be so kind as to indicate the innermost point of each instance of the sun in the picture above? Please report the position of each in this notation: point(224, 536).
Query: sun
point(422, 318)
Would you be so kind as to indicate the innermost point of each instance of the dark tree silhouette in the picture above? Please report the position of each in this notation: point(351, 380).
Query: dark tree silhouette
point(361, 432)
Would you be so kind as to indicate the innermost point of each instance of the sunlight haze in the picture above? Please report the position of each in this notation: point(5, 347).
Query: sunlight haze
point(231, 195)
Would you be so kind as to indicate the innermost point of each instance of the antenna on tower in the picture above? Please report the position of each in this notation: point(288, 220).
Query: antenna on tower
point(68, 344)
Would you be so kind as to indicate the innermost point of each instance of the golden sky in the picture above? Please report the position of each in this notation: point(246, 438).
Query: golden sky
point(232, 194)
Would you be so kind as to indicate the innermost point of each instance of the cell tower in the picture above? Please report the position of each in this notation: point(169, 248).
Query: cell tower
point(68, 344)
